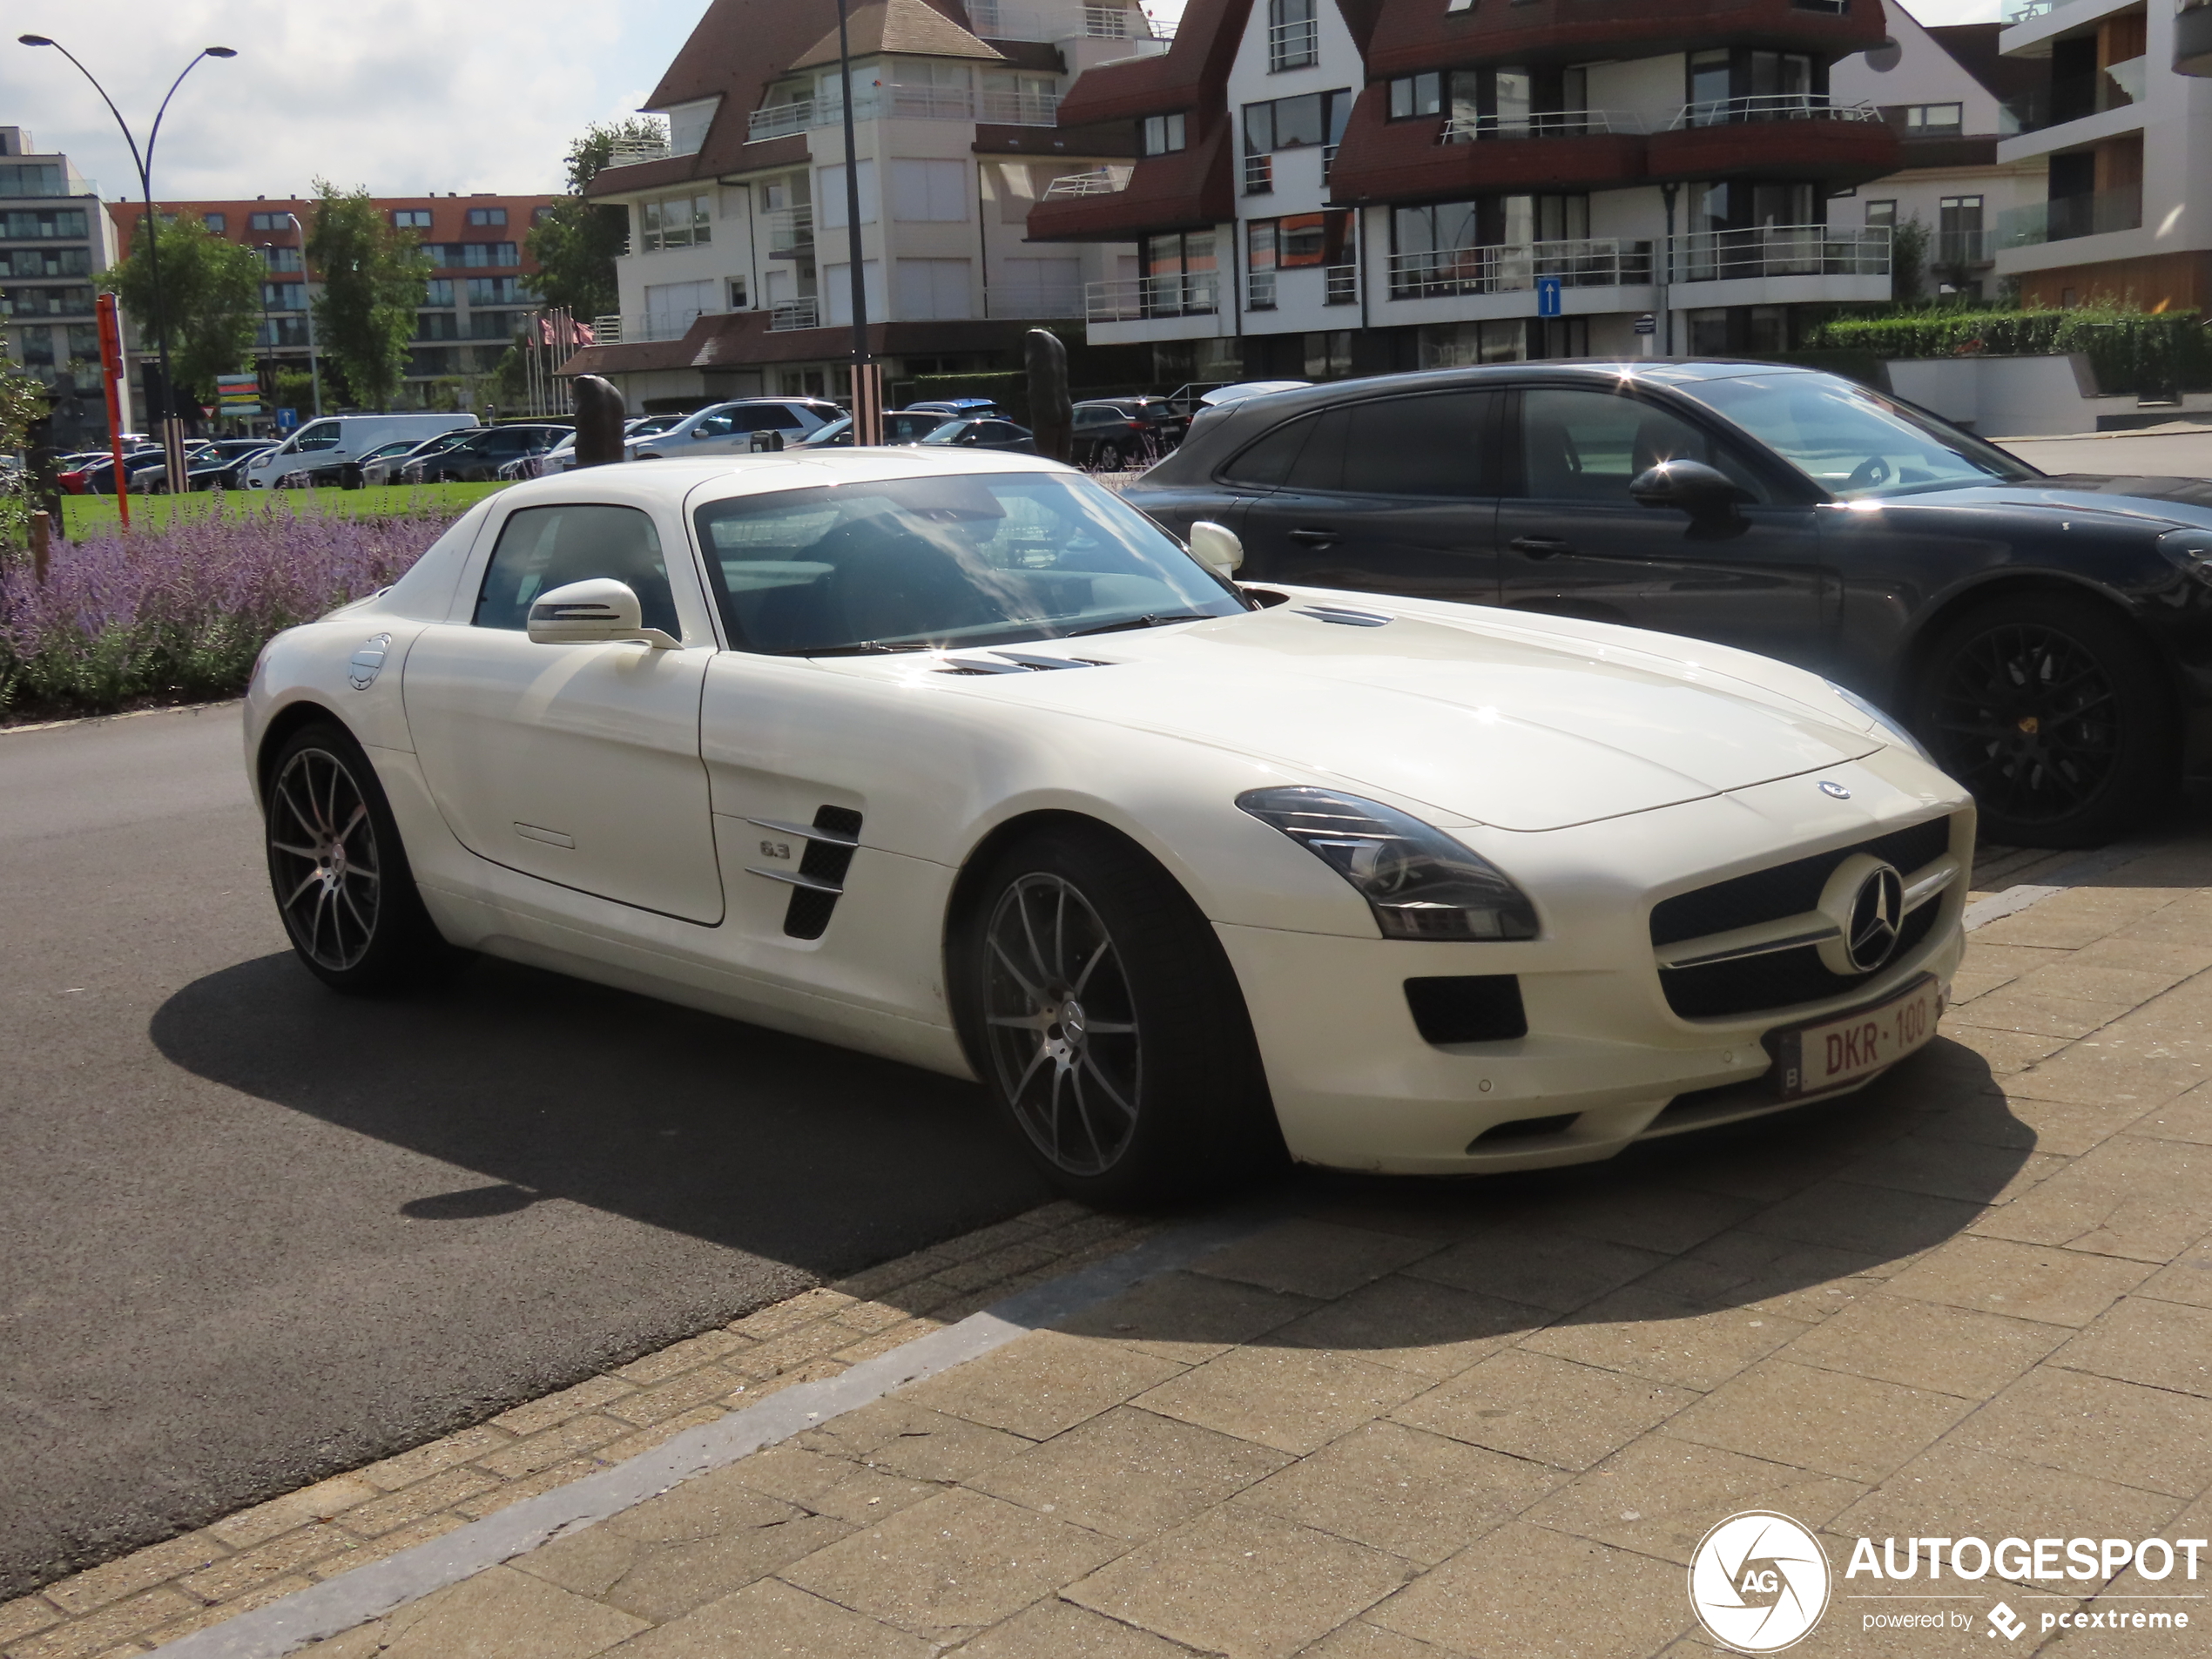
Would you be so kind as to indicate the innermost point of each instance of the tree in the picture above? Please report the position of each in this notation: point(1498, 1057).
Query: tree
point(211, 298)
point(374, 278)
point(576, 245)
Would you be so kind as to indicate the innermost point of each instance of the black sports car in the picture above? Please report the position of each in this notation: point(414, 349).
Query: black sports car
point(2049, 639)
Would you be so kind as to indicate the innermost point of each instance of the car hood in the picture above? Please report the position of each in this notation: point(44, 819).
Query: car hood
point(2151, 504)
point(1479, 715)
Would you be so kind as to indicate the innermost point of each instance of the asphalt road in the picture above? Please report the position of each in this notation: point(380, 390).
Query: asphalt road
point(255, 1233)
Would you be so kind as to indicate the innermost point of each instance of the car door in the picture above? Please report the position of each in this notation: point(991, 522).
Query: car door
point(1572, 541)
point(1390, 495)
point(577, 764)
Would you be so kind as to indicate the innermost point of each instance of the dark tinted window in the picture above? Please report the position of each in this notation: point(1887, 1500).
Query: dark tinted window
point(764, 417)
point(1419, 445)
point(543, 548)
point(1268, 463)
point(1579, 445)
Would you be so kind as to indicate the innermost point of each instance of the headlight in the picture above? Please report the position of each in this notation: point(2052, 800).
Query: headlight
point(2191, 550)
point(1420, 882)
point(1892, 732)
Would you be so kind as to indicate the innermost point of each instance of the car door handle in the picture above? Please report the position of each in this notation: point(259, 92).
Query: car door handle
point(1540, 547)
point(1317, 538)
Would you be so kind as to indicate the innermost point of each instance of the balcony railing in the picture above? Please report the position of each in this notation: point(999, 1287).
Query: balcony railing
point(996, 22)
point(897, 102)
point(2021, 10)
point(1033, 299)
point(2063, 218)
point(1098, 181)
point(1951, 248)
point(1340, 285)
point(793, 313)
point(607, 330)
point(1259, 290)
point(1293, 45)
point(1259, 174)
point(1780, 106)
point(1553, 124)
point(1778, 251)
point(791, 232)
point(1514, 267)
point(628, 152)
point(1135, 299)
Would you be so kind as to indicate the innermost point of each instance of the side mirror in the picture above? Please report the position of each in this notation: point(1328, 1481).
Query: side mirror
point(1704, 492)
point(1216, 547)
point(600, 608)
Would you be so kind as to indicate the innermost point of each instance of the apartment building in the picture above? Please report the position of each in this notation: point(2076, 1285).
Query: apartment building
point(2121, 119)
point(1332, 187)
point(1952, 96)
point(53, 241)
point(479, 297)
point(738, 280)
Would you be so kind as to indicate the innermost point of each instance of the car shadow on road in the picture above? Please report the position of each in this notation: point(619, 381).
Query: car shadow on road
point(551, 1088)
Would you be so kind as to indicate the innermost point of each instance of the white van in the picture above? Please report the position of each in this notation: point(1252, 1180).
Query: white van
point(339, 438)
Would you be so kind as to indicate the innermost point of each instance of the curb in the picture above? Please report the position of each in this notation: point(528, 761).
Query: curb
point(351, 1599)
point(2013, 900)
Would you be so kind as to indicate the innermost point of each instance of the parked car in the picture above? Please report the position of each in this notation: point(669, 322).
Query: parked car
point(478, 457)
point(899, 426)
point(561, 456)
point(1113, 435)
point(1185, 874)
point(987, 434)
point(97, 477)
point(2042, 636)
point(383, 466)
point(728, 428)
point(339, 438)
point(971, 407)
point(221, 461)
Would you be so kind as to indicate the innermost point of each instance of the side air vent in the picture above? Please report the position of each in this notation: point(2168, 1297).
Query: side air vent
point(819, 880)
point(1468, 1007)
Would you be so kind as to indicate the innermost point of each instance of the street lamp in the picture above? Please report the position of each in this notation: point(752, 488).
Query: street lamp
point(172, 431)
point(307, 293)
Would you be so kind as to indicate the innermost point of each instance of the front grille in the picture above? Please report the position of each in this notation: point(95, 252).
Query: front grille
point(1784, 979)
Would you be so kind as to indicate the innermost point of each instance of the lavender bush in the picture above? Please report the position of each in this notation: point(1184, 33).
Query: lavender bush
point(180, 615)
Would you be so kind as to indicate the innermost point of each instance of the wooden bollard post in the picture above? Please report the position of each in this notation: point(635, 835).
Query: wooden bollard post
point(41, 536)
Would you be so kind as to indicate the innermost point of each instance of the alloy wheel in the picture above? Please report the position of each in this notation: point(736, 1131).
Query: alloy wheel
point(324, 858)
point(2029, 720)
point(1060, 1025)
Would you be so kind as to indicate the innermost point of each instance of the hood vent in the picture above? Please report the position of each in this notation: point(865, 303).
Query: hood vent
point(1344, 615)
point(1014, 662)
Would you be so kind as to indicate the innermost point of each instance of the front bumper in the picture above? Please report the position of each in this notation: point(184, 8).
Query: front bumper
point(1356, 1087)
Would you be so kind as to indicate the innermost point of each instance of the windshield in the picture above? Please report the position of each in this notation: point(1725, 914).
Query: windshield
point(915, 564)
point(1855, 443)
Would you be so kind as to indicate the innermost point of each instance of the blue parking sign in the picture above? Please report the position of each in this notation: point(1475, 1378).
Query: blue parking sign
point(1550, 296)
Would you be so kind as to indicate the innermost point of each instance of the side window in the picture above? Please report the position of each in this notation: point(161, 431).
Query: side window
point(1267, 463)
point(321, 436)
point(543, 548)
point(769, 417)
point(1590, 446)
point(1420, 446)
point(716, 426)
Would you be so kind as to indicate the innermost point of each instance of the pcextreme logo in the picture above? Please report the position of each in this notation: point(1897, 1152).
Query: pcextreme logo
point(1759, 1583)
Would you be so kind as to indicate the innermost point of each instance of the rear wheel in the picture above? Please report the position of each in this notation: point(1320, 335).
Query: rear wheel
point(1107, 1024)
point(340, 875)
point(1108, 457)
point(2052, 713)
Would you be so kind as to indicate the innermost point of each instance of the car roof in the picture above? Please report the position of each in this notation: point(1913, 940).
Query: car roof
point(1273, 406)
point(725, 477)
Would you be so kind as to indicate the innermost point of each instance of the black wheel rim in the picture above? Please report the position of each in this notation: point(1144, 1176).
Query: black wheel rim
point(1060, 1025)
point(2028, 719)
point(324, 860)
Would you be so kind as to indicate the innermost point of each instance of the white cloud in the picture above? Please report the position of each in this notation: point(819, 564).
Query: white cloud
point(403, 95)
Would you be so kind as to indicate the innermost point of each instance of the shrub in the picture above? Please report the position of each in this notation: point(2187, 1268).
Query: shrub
point(2131, 351)
point(180, 615)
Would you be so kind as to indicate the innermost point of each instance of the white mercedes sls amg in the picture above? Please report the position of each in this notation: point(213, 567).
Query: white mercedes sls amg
point(961, 761)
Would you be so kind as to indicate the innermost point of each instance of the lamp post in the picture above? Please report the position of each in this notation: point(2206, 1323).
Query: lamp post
point(867, 403)
point(308, 291)
point(172, 431)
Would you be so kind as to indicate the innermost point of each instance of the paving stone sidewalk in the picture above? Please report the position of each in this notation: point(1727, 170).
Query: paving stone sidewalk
point(1489, 1420)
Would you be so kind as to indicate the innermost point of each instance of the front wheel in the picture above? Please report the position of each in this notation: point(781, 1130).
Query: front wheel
point(340, 875)
point(2053, 714)
point(1107, 1024)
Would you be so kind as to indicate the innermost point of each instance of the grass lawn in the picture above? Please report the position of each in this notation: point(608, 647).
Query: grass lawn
point(96, 515)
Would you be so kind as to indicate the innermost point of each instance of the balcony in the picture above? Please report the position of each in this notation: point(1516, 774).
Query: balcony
point(628, 152)
point(1142, 299)
point(1451, 274)
point(1191, 189)
point(790, 232)
point(1769, 251)
point(1783, 106)
point(1022, 299)
point(1788, 136)
point(1558, 123)
point(896, 102)
point(1431, 159)
point(793, 313)
point(1098, 181)
point(996, 22)
point(638, 326)
point(1408, 37)
point(2065, 218)
point(1259, 174)
point(1340, 285)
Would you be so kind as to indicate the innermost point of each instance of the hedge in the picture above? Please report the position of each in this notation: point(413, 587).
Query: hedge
point(2132, 352)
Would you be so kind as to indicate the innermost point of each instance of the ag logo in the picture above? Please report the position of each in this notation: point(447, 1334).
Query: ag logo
point(1759, 1583)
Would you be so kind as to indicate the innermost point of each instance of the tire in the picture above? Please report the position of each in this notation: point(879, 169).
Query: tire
point(338, 871)
point(1154, 1090)
point(2053, 712)
point(1107, 457)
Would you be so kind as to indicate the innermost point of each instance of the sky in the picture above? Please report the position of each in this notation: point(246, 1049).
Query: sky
point(405, 97)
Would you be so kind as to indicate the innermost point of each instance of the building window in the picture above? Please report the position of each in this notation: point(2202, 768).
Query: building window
point(438, 290)
point(1179, 273)
point(216, 222)
point(676, 221)
point(269, 221)
point(737, 301)
point(539, 215)
point(1881, 215)
point(1294, 123)
point(486, 215)
point(36, 345)
point(1293, 35)
point(499, 291)
point(84, 342)
point(472, 256)
point(1165, 134)
point(1933, 121)
point(281, 259)
point(1260, 264)
point(411, 219)
point(50, 224)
